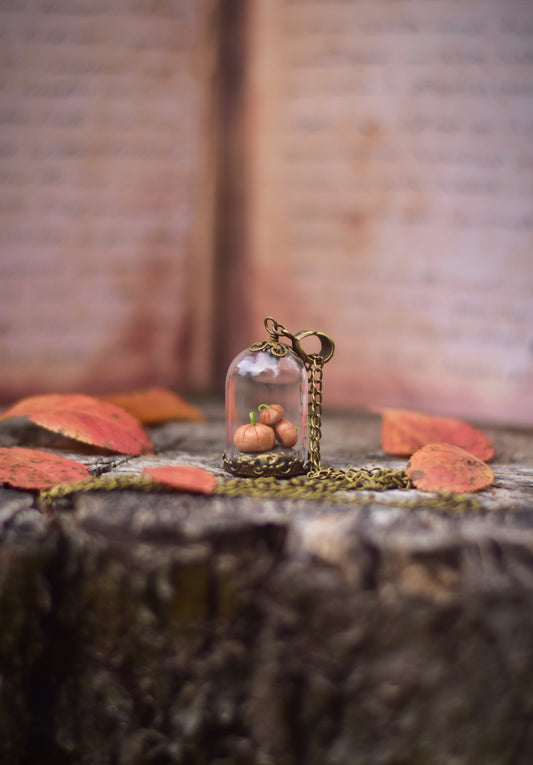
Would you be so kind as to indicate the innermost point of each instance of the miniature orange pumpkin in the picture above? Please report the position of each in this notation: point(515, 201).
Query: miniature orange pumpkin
point(286, 432)
point(270, 414)
point(255, 437)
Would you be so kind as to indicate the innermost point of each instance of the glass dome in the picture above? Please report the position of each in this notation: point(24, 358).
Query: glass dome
point(266, 412)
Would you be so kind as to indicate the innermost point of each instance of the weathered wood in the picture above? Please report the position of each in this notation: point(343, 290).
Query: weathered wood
point(155, 628)
point(28, 550)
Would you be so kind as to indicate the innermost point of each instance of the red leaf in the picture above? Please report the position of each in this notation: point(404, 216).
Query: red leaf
point(155, 405)
point(444, 467)
point(184, 477)
point(404, 431)
point(85, 419)
point(34, 469)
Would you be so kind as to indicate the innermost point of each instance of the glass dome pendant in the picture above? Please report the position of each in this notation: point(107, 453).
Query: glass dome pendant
point(273, 405)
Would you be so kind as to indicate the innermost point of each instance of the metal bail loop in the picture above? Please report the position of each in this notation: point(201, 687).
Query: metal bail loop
point(272, 327)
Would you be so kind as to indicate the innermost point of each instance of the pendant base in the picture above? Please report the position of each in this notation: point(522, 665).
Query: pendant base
point(281, 464)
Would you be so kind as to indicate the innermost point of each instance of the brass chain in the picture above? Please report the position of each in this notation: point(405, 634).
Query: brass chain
point(317, 485)
point(104, 482)
point(354, 486)
point(315, 369)
point(330, 484)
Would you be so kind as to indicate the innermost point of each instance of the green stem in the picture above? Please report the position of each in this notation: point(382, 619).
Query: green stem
point(252, 418)
point(263, 406)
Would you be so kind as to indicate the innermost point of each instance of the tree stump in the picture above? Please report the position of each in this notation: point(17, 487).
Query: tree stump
point(164, 628)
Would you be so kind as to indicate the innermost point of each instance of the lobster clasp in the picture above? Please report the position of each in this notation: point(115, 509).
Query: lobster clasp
point(327, 346)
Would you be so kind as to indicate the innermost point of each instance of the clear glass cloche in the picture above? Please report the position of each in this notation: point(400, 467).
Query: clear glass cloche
point(266, 412)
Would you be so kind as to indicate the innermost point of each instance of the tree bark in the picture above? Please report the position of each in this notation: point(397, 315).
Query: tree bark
point(165, 628)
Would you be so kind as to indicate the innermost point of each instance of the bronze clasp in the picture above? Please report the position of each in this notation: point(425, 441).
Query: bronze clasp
point(327, 346)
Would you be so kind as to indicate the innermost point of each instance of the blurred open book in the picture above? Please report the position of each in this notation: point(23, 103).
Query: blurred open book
point(173, 172)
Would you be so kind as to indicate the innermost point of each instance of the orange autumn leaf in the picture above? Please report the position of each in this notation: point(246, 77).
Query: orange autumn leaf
point(184, 477)
point(444, 467)
point(404, 431)
point(155, 405)
point(85, 419)
point(34, 469)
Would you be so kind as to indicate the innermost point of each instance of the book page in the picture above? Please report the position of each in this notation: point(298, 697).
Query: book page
point(105, 219)
point(390, 168)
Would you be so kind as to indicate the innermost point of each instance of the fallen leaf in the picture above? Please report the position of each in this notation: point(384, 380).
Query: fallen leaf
point(404, 431)
point(155, 405)
point(444, 467)
point(33, 469)
point(184, 477)
point(85, 419)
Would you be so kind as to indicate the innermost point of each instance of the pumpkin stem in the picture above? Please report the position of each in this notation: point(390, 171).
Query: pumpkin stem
point(263, 406)
point(252, 418)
